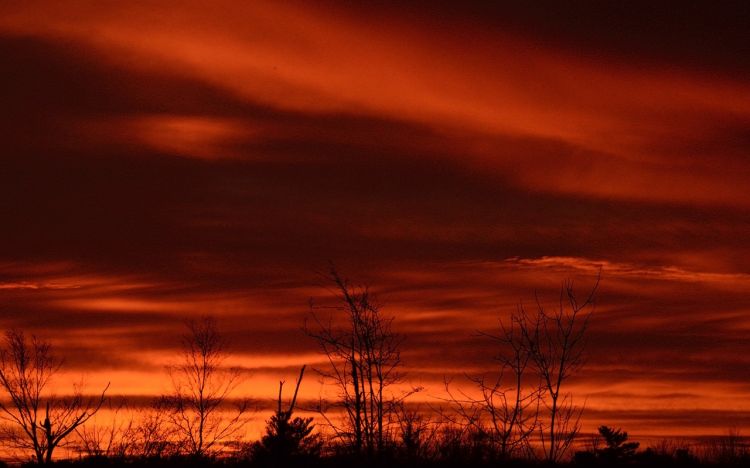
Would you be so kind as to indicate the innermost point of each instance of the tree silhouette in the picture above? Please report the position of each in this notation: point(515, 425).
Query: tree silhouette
point(201, 387)
point(507, 408)
point(113, 438)
point(364, 359)
point(154, 436)
point(555, 343)
point(418, 434)
point(617, 447)
point(38, 422)
point(287, 440)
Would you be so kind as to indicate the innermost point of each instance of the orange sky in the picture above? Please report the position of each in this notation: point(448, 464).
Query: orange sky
point(161, 163)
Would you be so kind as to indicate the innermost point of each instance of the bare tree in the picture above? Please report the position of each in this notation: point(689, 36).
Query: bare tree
point(201, 388)
point(154, 436)
point(507, 406)
point(727, 450)
point(555, 343)
point(142, 433)
point(418, 434)
point(39, 422)
point(364, 357)
point(111, 439)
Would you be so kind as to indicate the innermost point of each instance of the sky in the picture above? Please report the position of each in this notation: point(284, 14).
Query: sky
point(161, 163)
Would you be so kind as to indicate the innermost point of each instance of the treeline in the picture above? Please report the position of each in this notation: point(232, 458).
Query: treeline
point(522, 414)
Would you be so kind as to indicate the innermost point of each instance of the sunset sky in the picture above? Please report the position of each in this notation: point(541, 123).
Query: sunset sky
point(163, 162)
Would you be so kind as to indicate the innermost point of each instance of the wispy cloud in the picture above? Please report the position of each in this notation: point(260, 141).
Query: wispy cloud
point(617, 269)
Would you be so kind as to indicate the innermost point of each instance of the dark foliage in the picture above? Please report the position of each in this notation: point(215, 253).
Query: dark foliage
point(287, 442)
point(616, 450)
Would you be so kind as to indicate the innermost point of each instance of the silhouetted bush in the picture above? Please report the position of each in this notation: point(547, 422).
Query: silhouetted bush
point(287, 442)
point(617, 449)
point(730, 450)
